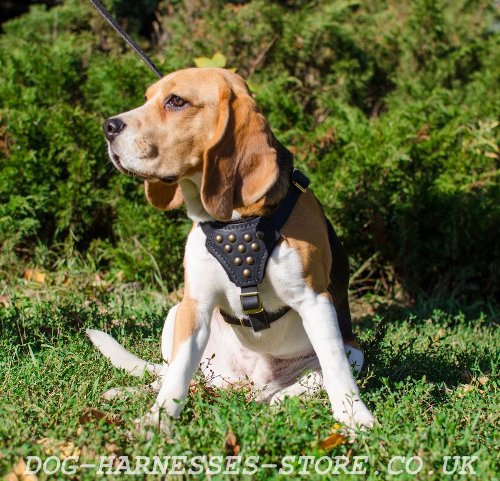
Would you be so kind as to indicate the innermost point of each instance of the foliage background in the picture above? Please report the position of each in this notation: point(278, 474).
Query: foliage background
point(391, 107)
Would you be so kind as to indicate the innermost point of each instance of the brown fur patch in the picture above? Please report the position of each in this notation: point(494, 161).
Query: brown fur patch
point(186, 322)
point(240, 165)
point(325, 267)
point(305, 231)
point(163, 196)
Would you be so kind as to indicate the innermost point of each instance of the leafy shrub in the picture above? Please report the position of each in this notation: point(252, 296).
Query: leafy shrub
point(391, 107)
point(57, 184)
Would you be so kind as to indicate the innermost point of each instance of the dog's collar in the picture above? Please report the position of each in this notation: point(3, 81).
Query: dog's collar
point(243, 248)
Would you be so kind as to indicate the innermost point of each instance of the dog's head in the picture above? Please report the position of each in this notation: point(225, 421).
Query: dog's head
point(197, 122)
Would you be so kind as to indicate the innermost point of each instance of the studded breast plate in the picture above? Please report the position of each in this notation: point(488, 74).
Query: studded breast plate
point(242, 248)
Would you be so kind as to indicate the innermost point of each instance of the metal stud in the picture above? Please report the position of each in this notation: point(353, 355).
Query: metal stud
point(218, 239)
point(242, 248)
point(246, 273)
point(247, 237)
point(231, 238)
point(238, 261)
point(255, 247)
point(250, 260)
point(227, 248)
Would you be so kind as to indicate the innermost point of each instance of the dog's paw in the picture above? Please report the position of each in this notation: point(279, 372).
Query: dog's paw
point(153, 422)
point(355, 416)
point(291, 391)
point(118, 392)
point(278, 398)
point(307, 386)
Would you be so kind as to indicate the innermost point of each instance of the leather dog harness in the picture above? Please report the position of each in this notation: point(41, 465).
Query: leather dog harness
point(243, 248)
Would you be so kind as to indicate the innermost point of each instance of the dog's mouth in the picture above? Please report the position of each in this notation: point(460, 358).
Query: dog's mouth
point(116, 161)
point(171, 179)
point(115, 158)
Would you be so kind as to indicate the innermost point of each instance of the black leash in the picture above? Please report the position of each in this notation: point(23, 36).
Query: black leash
point(138, 50)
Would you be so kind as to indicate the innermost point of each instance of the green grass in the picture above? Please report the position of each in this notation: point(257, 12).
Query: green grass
point(430, 381)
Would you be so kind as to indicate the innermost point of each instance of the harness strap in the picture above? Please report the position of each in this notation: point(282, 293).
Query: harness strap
point(258, 318)
point(259, 321)
point(301, 182)
point(125, 36)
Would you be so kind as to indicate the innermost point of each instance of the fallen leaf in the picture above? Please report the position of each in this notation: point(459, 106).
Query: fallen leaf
point(464, 389)
point(63, 449)
point(46, 444)
point(92, 415)
point(67, 449)
point(100, 283)
point(232, 446)
point(423, 133)
point(18, 473)
point(441, 333)
point(206, 392)
point(112, 448)
point(483, 380)
point(4, 301)
point(35, 275)
point(335, 439)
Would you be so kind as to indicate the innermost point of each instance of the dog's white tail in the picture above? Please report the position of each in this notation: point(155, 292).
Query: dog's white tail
point(119, 356)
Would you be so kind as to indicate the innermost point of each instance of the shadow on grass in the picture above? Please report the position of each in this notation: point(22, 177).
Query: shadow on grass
point(426, 308)
point(433, 357)
point(32, 326)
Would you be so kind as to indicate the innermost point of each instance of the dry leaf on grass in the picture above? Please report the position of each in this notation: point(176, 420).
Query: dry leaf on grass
point(63, 449)
point(4, 301)
point(18, 473)
point(232, 446)
point(463, 389)
point(100, 283)
point(91, 415)
point(34, 275)
point(207, 392)
point(439, 335)
point(335, 439)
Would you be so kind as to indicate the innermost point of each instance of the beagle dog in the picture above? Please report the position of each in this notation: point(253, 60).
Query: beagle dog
point(200, 139)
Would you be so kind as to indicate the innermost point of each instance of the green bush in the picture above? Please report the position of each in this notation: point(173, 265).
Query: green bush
point(391, 108)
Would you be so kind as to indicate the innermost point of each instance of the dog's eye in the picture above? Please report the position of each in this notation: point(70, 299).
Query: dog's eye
point(175, 102)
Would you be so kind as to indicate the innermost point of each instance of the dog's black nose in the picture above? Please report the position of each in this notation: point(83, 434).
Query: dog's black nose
point(112, 127)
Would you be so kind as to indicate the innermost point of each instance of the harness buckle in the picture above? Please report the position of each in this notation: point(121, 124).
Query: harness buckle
point(296, 184)
point(299, 180)
point(251, 306)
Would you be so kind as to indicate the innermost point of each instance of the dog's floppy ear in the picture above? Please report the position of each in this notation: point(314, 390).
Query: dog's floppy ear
point(240, 165)
point(163, 196)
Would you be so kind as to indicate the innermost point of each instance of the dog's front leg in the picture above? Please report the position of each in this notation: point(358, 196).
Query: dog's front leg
point(320, 323)
point(191, 333)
